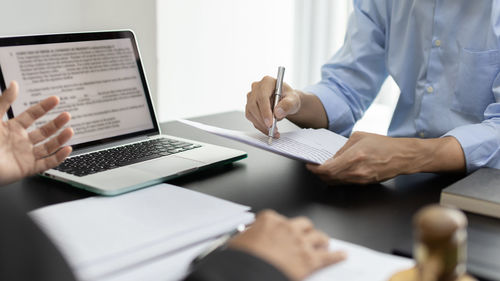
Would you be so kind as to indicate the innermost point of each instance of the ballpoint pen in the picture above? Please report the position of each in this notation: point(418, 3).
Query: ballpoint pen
point(277, 95)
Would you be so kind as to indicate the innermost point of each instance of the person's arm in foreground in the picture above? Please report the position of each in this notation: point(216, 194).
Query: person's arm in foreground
point(23, 153)
point(273, 248)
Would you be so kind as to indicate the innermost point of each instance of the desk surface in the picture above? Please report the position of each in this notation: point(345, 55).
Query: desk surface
point(377, 216)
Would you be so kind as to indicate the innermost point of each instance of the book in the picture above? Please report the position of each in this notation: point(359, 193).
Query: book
point(477, 193)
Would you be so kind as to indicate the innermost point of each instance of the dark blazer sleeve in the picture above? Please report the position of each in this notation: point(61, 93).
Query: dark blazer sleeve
point(26, 253)
point(232, 264)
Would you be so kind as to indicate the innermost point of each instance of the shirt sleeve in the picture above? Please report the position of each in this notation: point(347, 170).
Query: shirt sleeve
point(230, 264)
point(481, 142)
point(352, 78)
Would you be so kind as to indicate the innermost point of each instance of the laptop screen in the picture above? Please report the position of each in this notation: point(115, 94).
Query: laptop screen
point(97, 76)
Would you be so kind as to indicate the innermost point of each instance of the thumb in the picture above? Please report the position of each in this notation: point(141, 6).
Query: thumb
point(329, 258)
point(8, 97)
point(290, 104)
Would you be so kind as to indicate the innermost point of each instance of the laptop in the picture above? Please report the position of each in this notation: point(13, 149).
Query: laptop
point(99, 77)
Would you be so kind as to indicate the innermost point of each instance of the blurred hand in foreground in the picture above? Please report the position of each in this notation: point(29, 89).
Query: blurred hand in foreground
point(292, 245)
point(22, 152)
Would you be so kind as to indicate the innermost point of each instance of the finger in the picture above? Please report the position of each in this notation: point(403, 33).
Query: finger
point(269, 213)
point(8, 97)
point(330, 166)
point(36, 111)
point(266, 114)
point(269, 217)
point(302, 224)
point(265, 91)
point(318, 239)
point(53, 160)
point(50, 128)
point(316, 169)
point(52, 145)
point(328, 258)
point(267, 122)
point(252, 113)
point(259, 125)
point(329, 171)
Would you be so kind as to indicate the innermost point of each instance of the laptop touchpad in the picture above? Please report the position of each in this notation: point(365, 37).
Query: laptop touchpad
point(167, 166)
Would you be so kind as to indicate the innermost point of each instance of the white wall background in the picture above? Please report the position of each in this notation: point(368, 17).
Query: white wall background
point(211, 51)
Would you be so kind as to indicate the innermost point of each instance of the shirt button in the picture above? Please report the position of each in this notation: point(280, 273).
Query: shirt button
point(437, 43)
point(430, 89)
point(421, 134)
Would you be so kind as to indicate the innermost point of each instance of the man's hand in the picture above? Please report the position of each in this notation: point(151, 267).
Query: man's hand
point(20, 154)
point(370, 158)
point(258, 108)
point(292, 245)
point(305, 110)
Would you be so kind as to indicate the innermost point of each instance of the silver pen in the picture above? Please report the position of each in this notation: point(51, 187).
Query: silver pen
point(277, 95)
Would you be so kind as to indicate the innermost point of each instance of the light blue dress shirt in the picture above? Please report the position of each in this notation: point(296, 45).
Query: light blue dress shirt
point(443, 54)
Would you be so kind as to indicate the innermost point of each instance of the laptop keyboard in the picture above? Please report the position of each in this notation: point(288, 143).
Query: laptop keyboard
point(112, 158)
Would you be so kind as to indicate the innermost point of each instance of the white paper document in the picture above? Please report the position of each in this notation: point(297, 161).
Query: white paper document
point(308, 145)
point(102, 236)
point(361, 264)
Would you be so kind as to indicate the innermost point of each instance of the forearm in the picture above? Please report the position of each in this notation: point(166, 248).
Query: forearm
point(311, 114)
point(436, 155)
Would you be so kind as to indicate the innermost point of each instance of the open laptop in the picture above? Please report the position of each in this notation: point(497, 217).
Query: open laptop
point(99, 77)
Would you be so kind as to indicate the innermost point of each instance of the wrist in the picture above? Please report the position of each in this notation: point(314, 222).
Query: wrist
point(310, 113)
point(439, 155)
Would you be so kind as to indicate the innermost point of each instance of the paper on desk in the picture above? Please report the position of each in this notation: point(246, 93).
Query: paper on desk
point(103, 235)
point(173, 267)
point(165, 248)
point(361, 264)
point(308, 145)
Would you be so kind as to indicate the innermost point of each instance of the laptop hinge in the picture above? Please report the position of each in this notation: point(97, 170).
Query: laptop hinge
point(110, 144)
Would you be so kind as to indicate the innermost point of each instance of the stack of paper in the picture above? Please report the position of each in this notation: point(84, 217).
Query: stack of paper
point(103, 236)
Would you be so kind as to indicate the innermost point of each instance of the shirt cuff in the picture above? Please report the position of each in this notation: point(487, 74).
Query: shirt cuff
point(480, 143)
point(233, 264)
point(339, 114)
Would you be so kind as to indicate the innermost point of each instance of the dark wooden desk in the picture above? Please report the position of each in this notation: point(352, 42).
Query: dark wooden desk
point(376, 216)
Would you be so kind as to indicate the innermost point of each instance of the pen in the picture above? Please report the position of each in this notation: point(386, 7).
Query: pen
point(218, 243)
point(277, 95)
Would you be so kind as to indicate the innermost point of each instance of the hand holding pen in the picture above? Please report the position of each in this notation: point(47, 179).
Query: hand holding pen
point(260, 100)
point(277, 96)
